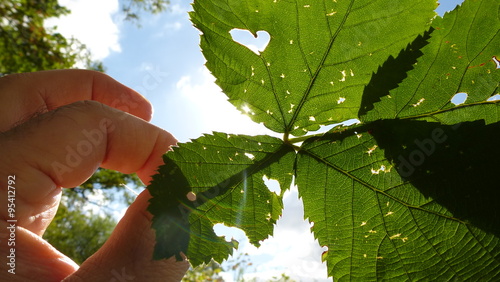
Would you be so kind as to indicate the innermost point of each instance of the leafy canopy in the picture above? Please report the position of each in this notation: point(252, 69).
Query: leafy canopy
point(407, 194)
point(26, 45)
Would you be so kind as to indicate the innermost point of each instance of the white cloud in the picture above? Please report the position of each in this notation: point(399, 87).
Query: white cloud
point(91, 22)
point(214, 111)
point(175, 26)
point(292, 249)
point(177, 9)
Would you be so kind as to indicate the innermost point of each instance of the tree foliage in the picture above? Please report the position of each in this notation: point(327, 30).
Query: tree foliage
point(26, 45)
point(204, 272)
point(78, 233)
point(132, 8)
point(84, 220)
point(407, 194)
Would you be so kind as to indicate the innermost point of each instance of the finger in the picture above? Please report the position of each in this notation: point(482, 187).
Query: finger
point(27, 94)
point(128, 253)
point(63, 148)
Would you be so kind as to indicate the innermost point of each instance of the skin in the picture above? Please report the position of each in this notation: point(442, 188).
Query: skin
point(56, 129)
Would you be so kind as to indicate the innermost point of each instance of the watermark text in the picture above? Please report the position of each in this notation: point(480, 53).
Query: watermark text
point(11, 224)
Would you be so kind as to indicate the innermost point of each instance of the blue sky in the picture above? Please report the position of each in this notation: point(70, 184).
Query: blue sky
point(162, 60)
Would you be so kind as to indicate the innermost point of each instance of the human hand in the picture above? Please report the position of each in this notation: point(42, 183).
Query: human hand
point(56, 129)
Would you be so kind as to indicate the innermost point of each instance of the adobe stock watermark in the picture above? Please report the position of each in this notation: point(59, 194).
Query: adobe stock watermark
point(425, 148)
point(85, 147)
point(93, 138)
point(11, 224)
point(310, 266)
point(153, 78)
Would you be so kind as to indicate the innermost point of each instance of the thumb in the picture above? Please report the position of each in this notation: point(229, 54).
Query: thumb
point(128, 253)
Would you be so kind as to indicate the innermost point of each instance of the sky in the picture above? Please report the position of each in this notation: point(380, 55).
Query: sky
point(162, 60)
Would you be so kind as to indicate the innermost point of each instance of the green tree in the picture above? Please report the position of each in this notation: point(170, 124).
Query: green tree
point(133, 8)
point(26, 45)
point(238, 266)
point(205, 272)
point(78, 231)
point(409, 193)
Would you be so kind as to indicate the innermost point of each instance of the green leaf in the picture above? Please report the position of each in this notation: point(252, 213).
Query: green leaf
point(225, 173)
point(458, 59)
point(320, 56)
point(411, 201)
point(406, 195)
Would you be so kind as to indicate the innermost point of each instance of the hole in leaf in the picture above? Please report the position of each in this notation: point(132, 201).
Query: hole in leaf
point(324, 254)
point(459, 98)
point(445, 8)
point(382, 168)
point(228, 233)
point(250, 156)
point(246, 109)
point(418, 103)
point(494, 98)
point(272, 185)
point(350, 122)
point(325, 128)
point(495, 59)
point(256, 44)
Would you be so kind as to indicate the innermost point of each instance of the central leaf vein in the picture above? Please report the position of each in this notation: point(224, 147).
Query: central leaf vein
point(320, 66)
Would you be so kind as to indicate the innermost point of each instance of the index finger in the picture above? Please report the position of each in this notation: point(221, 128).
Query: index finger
point(25, 95)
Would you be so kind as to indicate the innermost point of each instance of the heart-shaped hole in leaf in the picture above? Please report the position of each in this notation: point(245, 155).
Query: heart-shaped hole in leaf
point(256, 44)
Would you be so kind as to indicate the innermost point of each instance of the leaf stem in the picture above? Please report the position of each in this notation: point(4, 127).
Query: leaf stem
point(286, 137)
point(303, 138)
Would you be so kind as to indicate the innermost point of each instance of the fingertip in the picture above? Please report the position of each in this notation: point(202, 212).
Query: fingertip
point(121, 97)
point(143, 109)
point(152, 113)
point(164, 144)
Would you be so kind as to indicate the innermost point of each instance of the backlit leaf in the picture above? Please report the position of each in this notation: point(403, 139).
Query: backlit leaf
point(460, 58)
point(214, 179)
point(408, 194)
point(320, 56)
point(411, 201)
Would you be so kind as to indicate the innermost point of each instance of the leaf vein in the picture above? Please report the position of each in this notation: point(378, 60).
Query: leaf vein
point(320, 66)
